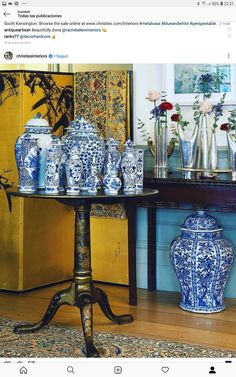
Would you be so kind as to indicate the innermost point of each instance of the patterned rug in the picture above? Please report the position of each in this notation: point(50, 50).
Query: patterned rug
point(57, 341)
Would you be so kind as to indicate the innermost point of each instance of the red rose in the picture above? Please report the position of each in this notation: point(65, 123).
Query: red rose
point(175, 117)
point(225, 127)
point(166, 106)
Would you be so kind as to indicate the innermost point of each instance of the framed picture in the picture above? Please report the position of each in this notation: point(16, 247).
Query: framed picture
point(183, 82)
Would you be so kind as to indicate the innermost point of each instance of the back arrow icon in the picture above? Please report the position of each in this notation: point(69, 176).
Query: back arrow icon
point(6, 14)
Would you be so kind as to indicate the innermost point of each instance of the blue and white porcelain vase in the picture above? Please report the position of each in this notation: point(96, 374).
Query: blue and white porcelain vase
point(93, 182)
point(83, 135)
point(53, 158)
point(202, 260)
point(112, 157)
point(129, 167)
point(112, 183)
point(62, 169)
point(74, 168)
point(139, 162)
point(29, 165)
point(39, 128)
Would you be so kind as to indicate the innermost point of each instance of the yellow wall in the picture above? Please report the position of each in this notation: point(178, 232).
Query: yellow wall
point(37, 238)
point(109, 249)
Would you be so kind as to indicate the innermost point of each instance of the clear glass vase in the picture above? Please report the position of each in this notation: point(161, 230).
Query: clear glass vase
point(213, 154)
point(188, 150)
point(160, 165)
point(232, 154)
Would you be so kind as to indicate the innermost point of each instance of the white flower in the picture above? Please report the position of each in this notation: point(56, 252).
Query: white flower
point(153, 95)
point(205, 107)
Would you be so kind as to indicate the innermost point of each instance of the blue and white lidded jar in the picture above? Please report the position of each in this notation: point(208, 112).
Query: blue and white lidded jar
point(83, 135)
point(112, 157)
point(53, 158)
point(73, 172)
point(112, 183)
point(129, 167)
point(39, 128)
point(140, 162)
point(202, 260)
point(29, 165)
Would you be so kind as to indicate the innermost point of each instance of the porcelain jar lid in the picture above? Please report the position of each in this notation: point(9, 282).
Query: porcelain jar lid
point(129, 144)
point(201, 222)
point(37, 121)
point(111, 142)
point(81, 125)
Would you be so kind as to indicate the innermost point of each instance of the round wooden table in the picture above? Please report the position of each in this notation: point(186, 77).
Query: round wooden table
point(82, 292)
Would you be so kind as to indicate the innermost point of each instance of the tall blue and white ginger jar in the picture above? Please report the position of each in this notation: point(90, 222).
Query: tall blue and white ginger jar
point(29, 165)
point(202, 260)
point(83, 135)
point(39, 128)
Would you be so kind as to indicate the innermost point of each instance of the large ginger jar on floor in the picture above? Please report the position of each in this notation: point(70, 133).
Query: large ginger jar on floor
point(202, 260)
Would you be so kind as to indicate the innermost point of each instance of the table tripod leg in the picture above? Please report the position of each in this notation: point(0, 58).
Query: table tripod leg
point(86, 310)
point(101, 298)
point(64, 297)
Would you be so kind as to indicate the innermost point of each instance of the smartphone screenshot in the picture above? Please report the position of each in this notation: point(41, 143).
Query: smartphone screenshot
point(117, 188)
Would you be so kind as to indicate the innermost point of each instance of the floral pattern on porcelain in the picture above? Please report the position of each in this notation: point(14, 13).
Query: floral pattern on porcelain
point(139, 162)
point(112, 157)
point(112, 183)
point(93, 182)
point(36, 127)
point(53, 157)
point(28, 173)
point(73, 171)
point(91, 147)
point(62, 170)
point(202, 260)
point(129, 167)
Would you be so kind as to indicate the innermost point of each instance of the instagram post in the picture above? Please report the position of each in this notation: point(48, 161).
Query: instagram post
point(117, 189)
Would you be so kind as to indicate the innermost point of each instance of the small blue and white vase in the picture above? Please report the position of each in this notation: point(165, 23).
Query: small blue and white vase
point(112, 157)
point(74, 168)
point(93, 182)
point(129, 167)
point(202, 260)
point(37, 127)
point(53, 157)
point(29, 165)
point(139, 177)
point(62, 170)
point(112, 183)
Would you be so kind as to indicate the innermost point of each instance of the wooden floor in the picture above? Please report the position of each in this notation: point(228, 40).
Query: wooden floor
point(157, 315)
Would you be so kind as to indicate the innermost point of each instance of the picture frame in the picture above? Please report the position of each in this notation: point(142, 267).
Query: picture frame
point(185, 95)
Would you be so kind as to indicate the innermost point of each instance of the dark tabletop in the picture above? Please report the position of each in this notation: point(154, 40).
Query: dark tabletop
point(85, 196)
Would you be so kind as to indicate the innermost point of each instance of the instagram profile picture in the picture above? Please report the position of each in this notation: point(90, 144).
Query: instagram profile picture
point(8, 55)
